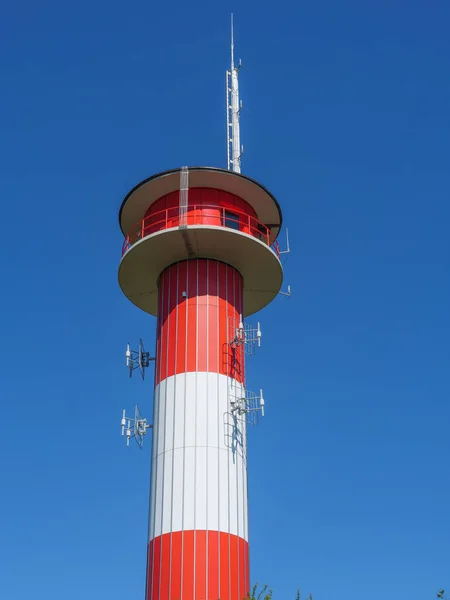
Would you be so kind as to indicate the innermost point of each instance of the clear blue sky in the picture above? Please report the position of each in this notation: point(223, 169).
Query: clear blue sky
point(347, 122)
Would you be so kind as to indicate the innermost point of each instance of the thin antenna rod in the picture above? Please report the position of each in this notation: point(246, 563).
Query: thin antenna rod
point(232, 43)
point(234, 151)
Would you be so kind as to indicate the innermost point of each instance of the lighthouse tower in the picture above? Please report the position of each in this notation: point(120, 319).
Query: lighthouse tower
point(200, 254)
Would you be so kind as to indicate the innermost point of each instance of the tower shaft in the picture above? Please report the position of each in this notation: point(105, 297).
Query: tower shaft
point(198, 532)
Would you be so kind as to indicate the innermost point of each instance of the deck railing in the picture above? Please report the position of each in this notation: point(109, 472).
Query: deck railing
point(201, 214)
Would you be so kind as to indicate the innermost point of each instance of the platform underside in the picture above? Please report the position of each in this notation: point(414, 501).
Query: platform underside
point(142, 264)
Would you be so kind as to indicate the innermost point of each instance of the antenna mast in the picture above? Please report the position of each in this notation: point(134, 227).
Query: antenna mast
point(234, 150)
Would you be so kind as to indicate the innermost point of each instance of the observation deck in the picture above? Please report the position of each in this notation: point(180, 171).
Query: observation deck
point(220, 215)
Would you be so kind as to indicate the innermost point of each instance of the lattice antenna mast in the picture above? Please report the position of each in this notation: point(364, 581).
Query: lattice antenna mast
point(234, 149)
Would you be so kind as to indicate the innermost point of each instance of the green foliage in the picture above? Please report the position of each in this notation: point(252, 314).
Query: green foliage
point(255, 595)
point(265, 594)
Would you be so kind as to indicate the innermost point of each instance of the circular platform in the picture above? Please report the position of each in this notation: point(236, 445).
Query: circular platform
point(142, 196)
point(143, 262)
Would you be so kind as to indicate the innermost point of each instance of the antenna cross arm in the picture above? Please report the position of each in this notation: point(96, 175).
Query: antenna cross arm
point(135, 428)
point(138, 359)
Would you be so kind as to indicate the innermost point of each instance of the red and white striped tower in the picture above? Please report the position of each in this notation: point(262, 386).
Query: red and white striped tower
point(200, 253)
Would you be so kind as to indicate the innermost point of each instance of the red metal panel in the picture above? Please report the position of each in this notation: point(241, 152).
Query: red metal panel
point(202, 331)
point(209, 215)
point(148, 591)
point(172, 319)
point(215, 574)
point(158, 205)
point(234, 566)
point(162, 311)
point(247, 565)
point(206, 206)
point(193, 331)
point(239, 296)
point(223, 316)
point(156, 568)
point(191, 341)
point(239, 303)
point(165, 567)
point(180, 366)
point(224, 567)
point(188, 565)
point(200, 565)
point(199, 197)
point(213, 565)
point(242, 570)
point(212, 316)
point(158, 341)
point(177, 548)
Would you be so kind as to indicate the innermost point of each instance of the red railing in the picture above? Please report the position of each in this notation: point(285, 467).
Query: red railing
point(201, 214)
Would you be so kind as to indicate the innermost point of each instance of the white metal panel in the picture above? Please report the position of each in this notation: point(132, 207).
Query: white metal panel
point(223, 408)
point(198, 482)
point(245, 504)
point(215, 436)
point(169, 410)
point(232, 490)
point(158, 425)
point(178, 491)
point(189, 489)
point(154, 464)
point(167, 491)
point(240, 496)
point(223, 490)
point(152, 506)
point(213, 489)
point(201, 492)
point(190, 407)
point(158, 492)
point(179, 390)
point(203, 402)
